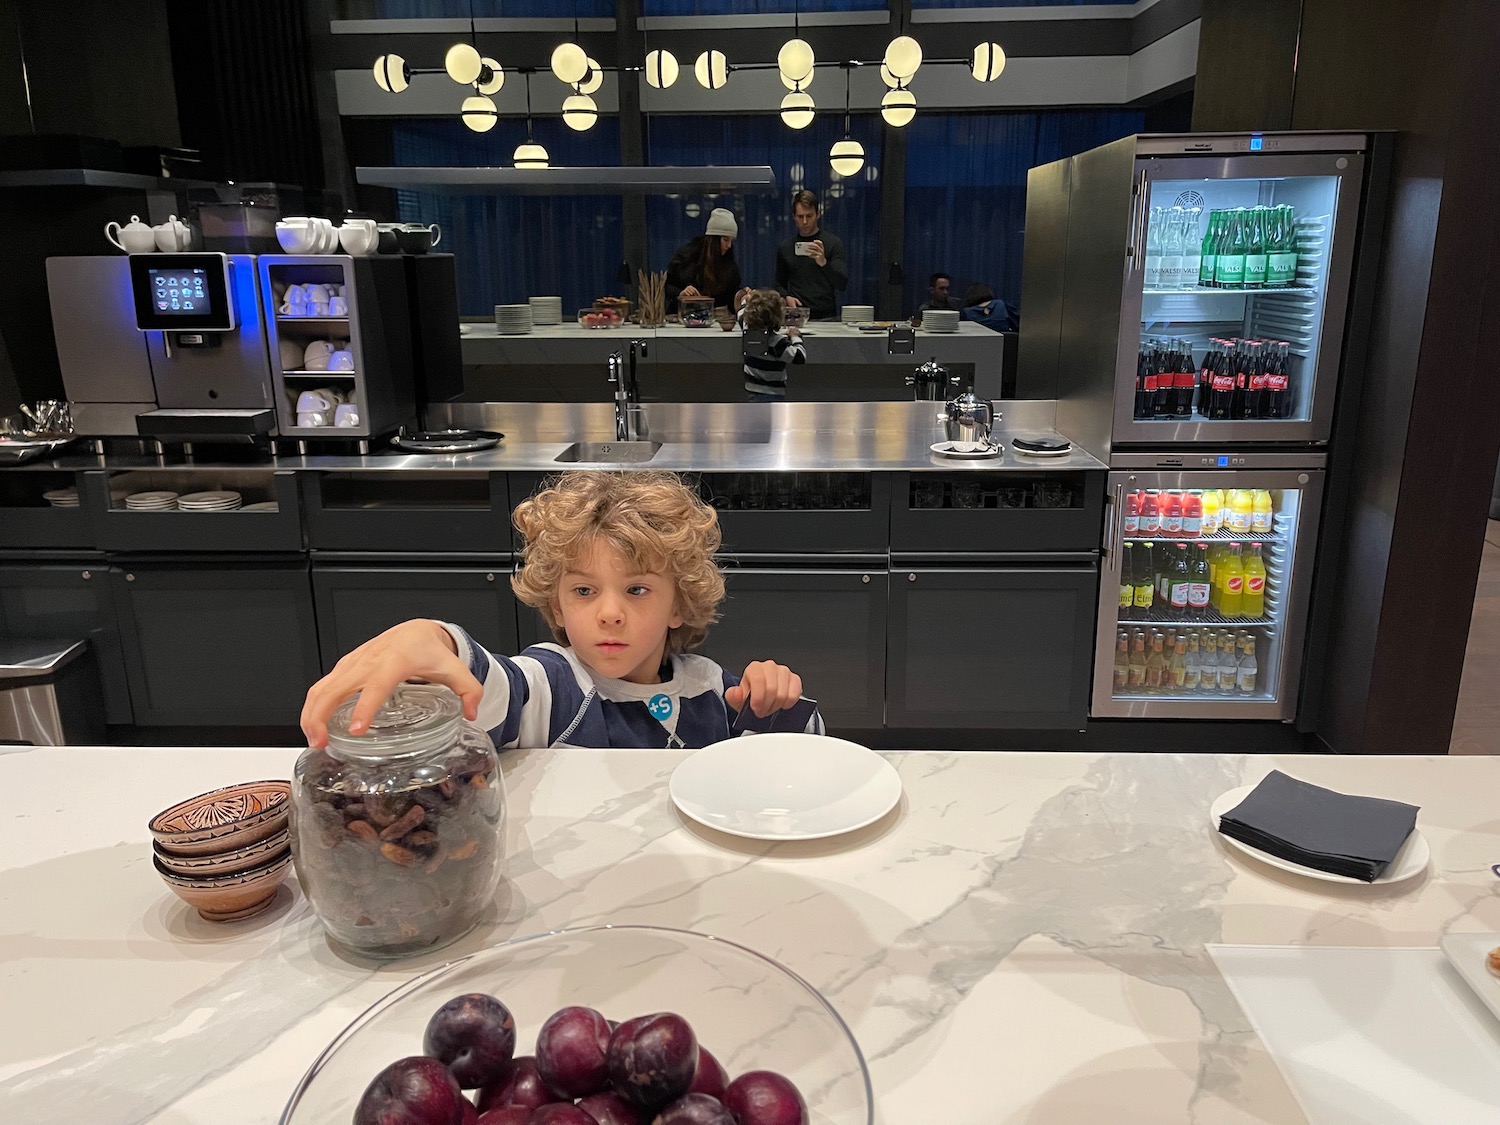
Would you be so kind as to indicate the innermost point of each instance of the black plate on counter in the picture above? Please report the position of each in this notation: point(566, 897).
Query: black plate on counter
point(447, 441)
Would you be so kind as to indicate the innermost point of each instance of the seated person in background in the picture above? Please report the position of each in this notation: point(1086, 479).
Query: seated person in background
point(705, 266)
point(939, 294)
point(982, 307)
point(775, 346)
point(621, 566)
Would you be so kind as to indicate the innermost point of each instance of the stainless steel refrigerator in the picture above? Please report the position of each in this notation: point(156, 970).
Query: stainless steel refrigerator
point(1115, 288)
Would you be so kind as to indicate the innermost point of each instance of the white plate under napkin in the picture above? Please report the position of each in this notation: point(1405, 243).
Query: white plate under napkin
point(785, 786)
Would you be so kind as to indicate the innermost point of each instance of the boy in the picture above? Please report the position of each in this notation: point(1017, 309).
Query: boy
point(766, 359)
point(621, 567)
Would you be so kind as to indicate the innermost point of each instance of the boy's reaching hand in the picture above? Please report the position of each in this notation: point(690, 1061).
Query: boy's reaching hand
point(413, 650)
point(769, 687)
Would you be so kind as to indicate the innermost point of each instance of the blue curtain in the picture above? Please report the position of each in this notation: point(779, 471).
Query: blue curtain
point(510, 247)
point(966, 190)
point(799, 158)
point(755, 7)
point(487, 9)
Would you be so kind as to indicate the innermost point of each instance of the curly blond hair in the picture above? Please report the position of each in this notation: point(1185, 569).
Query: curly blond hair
point(654, 522)
point(765, 310)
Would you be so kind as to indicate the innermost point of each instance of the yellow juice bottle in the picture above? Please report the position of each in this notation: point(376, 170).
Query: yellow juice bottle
point(1253, 603)
point(1260, 512)
point(1231, 574)
point(1241, 509)
point(1213, 510)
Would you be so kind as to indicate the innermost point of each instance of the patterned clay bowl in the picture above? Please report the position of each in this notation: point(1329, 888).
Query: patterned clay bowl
point(224, 863)
point(224, 819)
point(228, 898)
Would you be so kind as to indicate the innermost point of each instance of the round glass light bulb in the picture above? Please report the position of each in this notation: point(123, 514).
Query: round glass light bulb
point(988, 61)
point(392, 74)
point(496, 79)
point(795, 59)
point(530, 155)
point(592, 80)
point(579, 112)
point(661, 69)
point(888, 78)
point(711, 70)
point(479, 113)
point(898, 107)
point(462, 62)
point(797, 109)
point(793, 84)
point(569, 63)
point(903, 56)
point(847, 156)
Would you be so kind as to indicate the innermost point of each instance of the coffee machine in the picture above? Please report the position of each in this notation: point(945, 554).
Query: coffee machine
point(165, 346)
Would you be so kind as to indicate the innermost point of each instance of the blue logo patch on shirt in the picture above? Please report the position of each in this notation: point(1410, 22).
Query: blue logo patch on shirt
point(660, 707)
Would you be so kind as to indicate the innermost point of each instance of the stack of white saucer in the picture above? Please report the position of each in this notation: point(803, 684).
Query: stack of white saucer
point(940, 320)
point(210, 502)
point(512, 320)
point(545, 310)
point(62, 497)
point(855, 314)
point(151, 501)
point(262, 506)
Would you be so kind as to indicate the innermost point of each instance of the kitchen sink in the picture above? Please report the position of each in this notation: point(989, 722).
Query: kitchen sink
point(610, 452)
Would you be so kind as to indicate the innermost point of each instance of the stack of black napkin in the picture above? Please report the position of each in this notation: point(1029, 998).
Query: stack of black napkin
point(1306, 824)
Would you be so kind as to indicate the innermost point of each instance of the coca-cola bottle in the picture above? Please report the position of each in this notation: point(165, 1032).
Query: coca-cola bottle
point(1260, 361)
point(1142, 399)
point(1165, 373)
point(1205, 376)
point(1221, 397)
point(1278, 399)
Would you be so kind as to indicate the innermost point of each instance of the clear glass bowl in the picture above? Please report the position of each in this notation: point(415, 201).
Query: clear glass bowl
point(751, 1012)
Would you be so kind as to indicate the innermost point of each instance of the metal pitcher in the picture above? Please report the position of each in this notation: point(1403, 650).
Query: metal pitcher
point(931, 381)
point(969, 419)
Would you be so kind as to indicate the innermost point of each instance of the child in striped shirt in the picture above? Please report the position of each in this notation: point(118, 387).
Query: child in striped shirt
point(621, 566)
point(772, 347)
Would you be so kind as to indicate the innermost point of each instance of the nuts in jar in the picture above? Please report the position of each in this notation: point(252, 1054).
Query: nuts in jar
point(398, 834)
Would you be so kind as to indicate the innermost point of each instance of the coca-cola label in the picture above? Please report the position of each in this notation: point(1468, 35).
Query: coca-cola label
point(1198, 594)
point(1276, 382)
point(1150, 382)
point(1258, 381)
point(1223, 382)
point(1255, 584)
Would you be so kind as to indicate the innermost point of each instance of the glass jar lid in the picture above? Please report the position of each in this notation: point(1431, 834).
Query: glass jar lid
point(415, 719)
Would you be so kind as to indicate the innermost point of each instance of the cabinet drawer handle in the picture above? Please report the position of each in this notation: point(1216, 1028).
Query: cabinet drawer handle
point(87, 575)
point(489, 577)
point(130, 578)
point(911, 576)
point(865, 579)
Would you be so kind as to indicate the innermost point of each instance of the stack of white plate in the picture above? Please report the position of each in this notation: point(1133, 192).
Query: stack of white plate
point(940, 320)
point(545, 310)
point(853, 314)
point(210, 502)
point(263, 506)
point(62, 497)
point(151, 501)
point(513, 320)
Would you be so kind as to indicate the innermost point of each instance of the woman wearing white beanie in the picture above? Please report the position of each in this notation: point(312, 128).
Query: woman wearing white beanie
point(705, 266)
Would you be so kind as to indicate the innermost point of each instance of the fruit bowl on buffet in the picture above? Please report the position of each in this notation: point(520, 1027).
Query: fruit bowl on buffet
point(772, 1038)
point(601, 317)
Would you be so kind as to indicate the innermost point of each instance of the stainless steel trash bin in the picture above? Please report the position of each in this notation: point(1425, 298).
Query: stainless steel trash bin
point(49, 693)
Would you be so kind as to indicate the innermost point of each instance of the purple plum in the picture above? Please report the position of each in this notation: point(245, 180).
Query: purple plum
point(560, 1113)
point(710, 1078)
point(609, 1108)
point(652, 1058)
point(523, 1086)
point(412, 1091)
point(506, 1115)
point(475, 1036)
point(571, 1049)
point(763, 1097)
point(695, 1109)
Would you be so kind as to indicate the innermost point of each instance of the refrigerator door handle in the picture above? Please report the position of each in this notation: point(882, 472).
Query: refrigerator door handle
point(1112, 514)
point(1138, 231)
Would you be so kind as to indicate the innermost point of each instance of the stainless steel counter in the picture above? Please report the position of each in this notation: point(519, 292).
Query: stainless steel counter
point(702, 437)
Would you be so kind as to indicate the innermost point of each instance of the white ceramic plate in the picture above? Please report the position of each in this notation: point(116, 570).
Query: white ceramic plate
point(943, 449)
point(1411, 860)
point(785, 786)
point(1468, 954)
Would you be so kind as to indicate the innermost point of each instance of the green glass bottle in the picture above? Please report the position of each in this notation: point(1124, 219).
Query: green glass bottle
point(1229, 262)
point(1256, 253)
point(1210, 241)
point(1281, 266)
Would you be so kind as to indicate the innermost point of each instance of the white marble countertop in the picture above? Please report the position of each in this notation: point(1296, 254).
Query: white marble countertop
point(1037, 921)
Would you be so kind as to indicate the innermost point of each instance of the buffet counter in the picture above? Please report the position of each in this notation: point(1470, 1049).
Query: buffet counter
point(1023, 939)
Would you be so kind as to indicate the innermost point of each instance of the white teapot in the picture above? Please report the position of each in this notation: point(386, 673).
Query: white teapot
point(172, 236)
point(135, 237)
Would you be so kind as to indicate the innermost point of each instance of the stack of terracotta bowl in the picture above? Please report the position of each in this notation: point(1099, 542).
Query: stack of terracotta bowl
point(226, 852)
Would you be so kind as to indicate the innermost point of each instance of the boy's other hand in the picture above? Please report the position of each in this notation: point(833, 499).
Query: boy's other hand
point(421, 650)
point(767, 686)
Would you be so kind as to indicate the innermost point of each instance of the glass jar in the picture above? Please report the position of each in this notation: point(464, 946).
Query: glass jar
point(398, 834)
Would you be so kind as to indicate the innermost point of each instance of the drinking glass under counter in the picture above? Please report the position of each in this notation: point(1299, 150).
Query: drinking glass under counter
point(1023, 939)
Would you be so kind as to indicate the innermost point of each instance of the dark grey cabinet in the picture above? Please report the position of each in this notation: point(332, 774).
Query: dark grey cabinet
point(1007, 646)
point(69, 601)
point(827, 625)
point(356, 602)
point(217, 642)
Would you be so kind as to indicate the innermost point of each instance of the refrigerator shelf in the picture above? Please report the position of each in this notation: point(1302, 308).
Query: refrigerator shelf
point(1210, 617)
point(1216, 537)
point(1215, 291)
point(1257, 696)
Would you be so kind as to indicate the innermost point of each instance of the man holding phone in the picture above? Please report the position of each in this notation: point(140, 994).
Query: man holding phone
point(811, 268)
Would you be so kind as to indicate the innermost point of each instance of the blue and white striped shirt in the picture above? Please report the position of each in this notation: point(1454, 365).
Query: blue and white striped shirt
point(546, 696)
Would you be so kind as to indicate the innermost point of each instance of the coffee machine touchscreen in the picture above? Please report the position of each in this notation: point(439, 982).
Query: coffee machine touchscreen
point(182, 292)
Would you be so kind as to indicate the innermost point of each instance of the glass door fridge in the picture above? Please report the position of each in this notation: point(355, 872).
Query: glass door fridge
point(1204, 589)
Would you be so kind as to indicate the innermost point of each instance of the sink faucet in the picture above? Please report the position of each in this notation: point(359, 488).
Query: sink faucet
point(628, 418)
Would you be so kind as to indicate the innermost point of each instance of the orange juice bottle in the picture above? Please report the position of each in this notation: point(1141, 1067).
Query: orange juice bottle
point(1260, 512)
point(1241, 509)
point(1213, 510)
point(1253, 604)
point(1231, 580)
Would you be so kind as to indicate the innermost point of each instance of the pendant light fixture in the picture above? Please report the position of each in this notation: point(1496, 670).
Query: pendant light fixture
point(392, 74)
point(888, 78)
point(491, 77)
point(463, 63)
point(579, 112)
point(898, 107)
point(803, 84)
point(479, 113)
point(903, 57)
point(711, 70)
point(847, 156)
point(797, 109)
point(795, 61)
point(570, 63)
point(592, 80)
point(661, 69)
point(988, 62)
point(529, 154)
